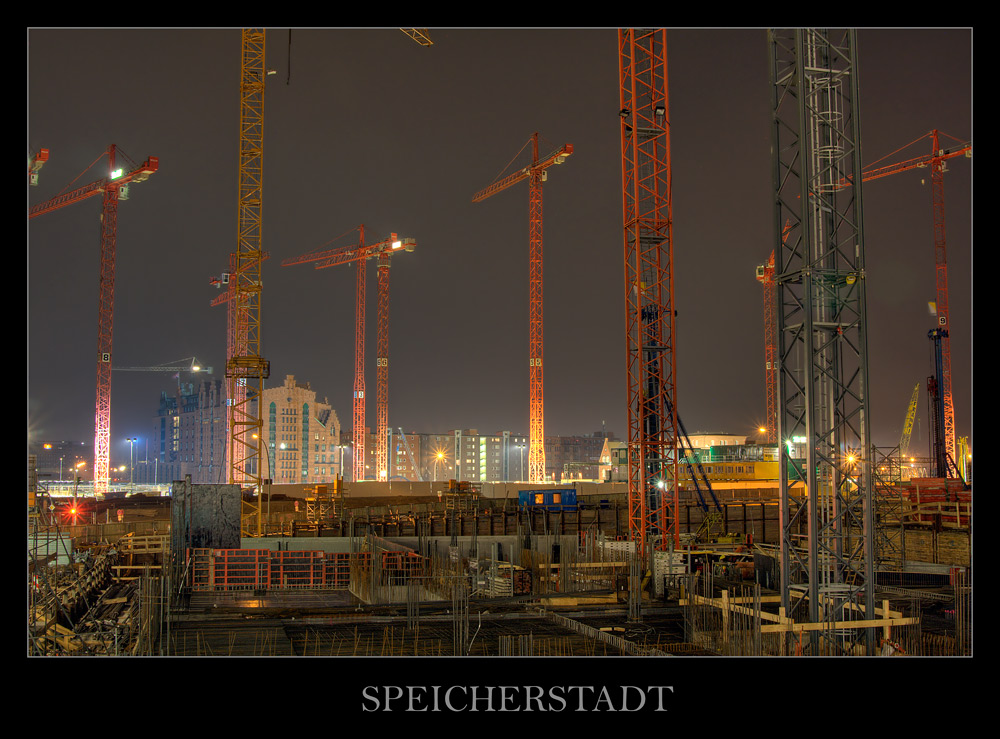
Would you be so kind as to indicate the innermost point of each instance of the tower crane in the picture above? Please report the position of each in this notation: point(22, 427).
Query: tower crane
point(936, 161)
point(188, 364)
point(765, 275)
point(232, 329)
point(911, 414)
point(649, 289)
point(112, 188)
point(359, 254)
point(246, 368)
point(536, 174)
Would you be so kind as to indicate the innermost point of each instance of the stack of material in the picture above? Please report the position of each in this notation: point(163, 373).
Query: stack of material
point(521, 581)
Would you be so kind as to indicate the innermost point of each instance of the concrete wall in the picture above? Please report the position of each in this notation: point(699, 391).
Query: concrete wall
point(952, 548)
point(328, 544)
point(205, 516)
point(496, 490)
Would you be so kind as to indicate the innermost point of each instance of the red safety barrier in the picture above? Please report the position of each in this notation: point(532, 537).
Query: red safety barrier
point(297, 569)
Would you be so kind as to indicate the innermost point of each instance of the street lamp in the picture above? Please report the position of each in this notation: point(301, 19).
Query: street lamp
point(437, 458)
point(269, 478)
point(131, 465)
point(76, 484)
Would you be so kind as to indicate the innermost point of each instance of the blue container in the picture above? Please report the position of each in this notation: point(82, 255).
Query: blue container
point(552, 500)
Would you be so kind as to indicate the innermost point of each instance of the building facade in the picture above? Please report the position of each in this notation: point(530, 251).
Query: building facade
point(188, 436)
point(302, 437)
point(469, 456)
point(56, 461)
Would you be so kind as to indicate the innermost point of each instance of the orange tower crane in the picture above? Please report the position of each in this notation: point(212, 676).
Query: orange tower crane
point(536, 174)
point(650, 315)
point(112, 188)
point(936, 162)
point(359, 254)
point(765, 275)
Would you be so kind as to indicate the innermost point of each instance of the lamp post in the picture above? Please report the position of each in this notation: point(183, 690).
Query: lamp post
point(76, 484)
point(521, 471)
point(437, 458)
point(131, 465)
point(268, 479)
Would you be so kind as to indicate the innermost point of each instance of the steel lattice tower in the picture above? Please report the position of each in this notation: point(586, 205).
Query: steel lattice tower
point(382, 371)
point(536, 380)
point(360, 432)
point(821, 334)
point(765, 275)
point(246, 370)
point(105, 326)
point(649, 294)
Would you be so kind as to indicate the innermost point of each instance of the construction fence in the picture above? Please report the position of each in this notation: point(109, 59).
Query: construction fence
point(263, 569)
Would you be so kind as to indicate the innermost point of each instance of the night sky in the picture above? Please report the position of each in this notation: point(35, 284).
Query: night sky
point(367, 127)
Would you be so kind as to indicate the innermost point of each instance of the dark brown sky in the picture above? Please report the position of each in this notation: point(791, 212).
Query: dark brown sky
point(365, 126)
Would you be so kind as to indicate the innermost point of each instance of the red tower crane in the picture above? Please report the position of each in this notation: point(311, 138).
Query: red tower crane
point(765, 275)
point(936, 162)
point(536, 174)
point(236, 329)
point(360, 253)
point(113, 188)
point(650, 315)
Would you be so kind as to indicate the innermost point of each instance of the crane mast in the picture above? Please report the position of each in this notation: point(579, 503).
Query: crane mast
point(246, 369)
point(232, 329)
point(649, 289)
point(535, 173)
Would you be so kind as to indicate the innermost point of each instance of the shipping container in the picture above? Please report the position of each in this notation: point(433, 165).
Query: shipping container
point(551, 500)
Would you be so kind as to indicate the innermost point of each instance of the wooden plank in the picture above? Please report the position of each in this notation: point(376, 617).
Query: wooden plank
point(822, 625)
